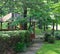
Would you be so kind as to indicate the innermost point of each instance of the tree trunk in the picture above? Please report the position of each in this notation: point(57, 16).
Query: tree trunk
point(25, 15)
point(53, 28)
point(30, 22)
point(40, 23)
point(1, 25)
point(44, 27)
point(12, 27)
point(8, 26)
point(56, 26)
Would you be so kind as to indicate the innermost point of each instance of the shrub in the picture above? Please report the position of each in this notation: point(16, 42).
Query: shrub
point(57, 35)
point(17, 40)
point(19, 47)
point(27, 38)
point(47, 36)
point(51, 39)
point(22, 36)
point(4, 38)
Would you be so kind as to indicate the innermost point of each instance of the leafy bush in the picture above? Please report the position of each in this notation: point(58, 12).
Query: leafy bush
point(27, 38)
point(49, 38)
point(22, 36)
point(57, 35)
point(17, 40)
point(19, 47)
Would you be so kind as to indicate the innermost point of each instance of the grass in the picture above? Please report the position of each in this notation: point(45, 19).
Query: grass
point(37, 31)
point(50, 48)
point(4, 25)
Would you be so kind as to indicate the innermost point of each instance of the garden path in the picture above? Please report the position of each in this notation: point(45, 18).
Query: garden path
point(37, 43)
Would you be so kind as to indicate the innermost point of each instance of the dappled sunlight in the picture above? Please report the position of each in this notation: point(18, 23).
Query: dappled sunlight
point(50, 48)
point(51, 52)
point(55, 27)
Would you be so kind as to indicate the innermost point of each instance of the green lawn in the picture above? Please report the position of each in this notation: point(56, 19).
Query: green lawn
point(4, 25)
point(50, 48)
point(37, 31)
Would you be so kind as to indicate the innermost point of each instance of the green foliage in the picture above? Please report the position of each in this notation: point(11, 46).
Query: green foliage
point(27, 38)
point(57, 35)
point(18, 21)
point(49, 38)
point(38, 31)
point(19, 47)
point(35, 9)
point(16, 40)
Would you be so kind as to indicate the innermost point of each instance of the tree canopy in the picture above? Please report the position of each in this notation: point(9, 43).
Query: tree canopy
point(37, 8)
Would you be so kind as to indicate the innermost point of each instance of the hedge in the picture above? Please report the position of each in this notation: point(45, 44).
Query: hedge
point(15, 40)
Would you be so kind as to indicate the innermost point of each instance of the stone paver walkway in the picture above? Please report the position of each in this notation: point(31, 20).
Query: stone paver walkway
point(33, 49)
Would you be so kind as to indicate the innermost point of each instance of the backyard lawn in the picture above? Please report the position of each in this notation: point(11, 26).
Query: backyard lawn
point(37, 31)
point(50, 48)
